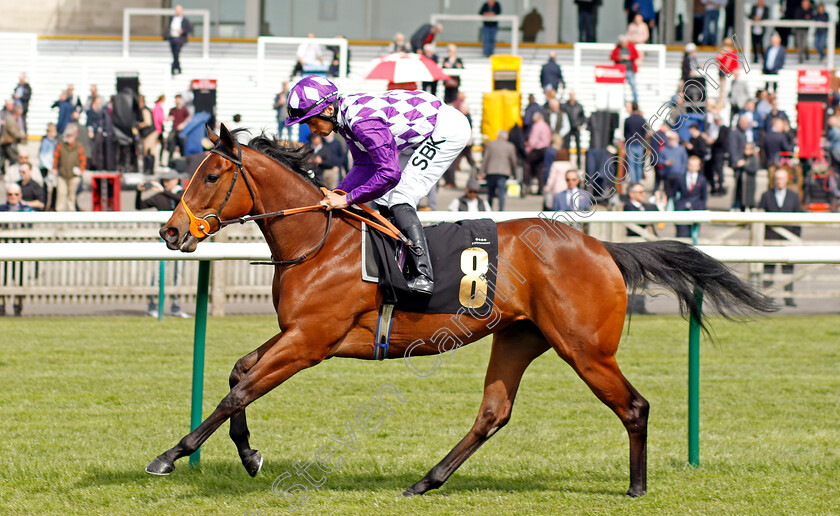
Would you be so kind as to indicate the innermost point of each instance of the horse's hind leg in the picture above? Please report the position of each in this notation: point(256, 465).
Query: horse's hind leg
point(514, 348)
point(594, 362)
point(606, 381)
point(251, 459)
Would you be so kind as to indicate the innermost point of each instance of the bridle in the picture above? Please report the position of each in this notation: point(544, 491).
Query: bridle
point(199, 226)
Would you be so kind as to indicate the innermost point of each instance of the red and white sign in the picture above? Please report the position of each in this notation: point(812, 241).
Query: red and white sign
point(814, 81)
point(610, 74)
point(203, 84)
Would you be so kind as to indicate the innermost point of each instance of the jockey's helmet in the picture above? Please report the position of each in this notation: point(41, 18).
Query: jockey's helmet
point(309, 97)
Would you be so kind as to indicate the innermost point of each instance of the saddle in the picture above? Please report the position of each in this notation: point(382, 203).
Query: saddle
point(464, 258)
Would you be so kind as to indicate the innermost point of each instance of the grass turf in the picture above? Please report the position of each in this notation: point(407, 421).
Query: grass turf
point(88, 402)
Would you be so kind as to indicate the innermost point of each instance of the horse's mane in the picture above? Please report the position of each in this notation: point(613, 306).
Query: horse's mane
point(295, 156)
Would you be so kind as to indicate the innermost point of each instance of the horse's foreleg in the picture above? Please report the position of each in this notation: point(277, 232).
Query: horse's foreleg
point(283, 359)
point(251, 459)
point(514, 348)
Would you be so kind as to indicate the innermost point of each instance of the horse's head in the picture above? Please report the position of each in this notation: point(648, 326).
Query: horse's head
point(215, 193)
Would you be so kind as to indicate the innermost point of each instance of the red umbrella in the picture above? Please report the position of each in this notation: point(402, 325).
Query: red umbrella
point(401, 68)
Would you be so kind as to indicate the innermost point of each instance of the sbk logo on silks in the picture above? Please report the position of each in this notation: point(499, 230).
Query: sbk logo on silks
point(426, 153)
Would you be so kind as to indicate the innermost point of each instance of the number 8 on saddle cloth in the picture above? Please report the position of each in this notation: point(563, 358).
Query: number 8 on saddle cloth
point(464, 258)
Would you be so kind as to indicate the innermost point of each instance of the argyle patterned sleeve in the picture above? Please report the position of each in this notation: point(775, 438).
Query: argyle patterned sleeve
point(363, 169)
point(380, 172)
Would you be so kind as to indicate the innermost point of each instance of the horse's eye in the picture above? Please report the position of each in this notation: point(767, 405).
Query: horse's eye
point(211, 178)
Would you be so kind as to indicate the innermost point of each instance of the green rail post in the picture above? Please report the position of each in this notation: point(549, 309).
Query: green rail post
point(198, 351)
point(694, 384)
point(694, 372)
point(161, 289)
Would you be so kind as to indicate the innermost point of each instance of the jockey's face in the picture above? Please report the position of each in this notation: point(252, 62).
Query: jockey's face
point(321, 126)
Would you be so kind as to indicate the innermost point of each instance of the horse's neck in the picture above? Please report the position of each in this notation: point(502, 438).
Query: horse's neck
point(280, 189)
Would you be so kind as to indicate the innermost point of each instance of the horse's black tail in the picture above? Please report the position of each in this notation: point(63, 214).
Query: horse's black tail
point(681, 268)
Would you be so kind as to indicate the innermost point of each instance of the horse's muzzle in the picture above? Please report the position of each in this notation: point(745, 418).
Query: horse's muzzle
point(176, 240)
point(171, 236)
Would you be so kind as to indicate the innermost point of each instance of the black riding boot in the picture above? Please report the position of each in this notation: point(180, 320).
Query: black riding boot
point(406, 220)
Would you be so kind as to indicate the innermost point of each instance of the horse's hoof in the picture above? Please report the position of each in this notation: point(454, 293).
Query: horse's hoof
point(253, 463)
point(414, 491)
point(634, 492)
point(160, 466)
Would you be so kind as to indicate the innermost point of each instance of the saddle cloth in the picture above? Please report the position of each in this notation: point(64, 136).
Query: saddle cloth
point(464, 260)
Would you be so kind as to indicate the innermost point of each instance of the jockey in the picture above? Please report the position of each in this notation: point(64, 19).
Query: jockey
point(401, 142)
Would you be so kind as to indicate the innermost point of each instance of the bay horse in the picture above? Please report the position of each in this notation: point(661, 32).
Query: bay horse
point(572, 300)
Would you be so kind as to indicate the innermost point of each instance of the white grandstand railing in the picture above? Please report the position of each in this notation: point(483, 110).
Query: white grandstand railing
point(514, 21)
point(149, 11)
point(263, 40)
point(214, 251)
point(661, 51)
point(795, 24)
point(32, 39)
point(154, 251)
point(644, 217)
point(92, 236)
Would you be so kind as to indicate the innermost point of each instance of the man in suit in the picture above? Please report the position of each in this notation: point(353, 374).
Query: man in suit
point(179, 30)
point(780, 199)
point(774, 59)
point(551, 76)
point(636, 202)
point(656, 143)
point(424, 35)
point(674, 158)
point(804, 12)
point(573, 199)
point(498, 165)
point(758, 12)
point(577, 117)
point(691, 191)
point(21, 94)
point(554, 117)
point(587, 15)
point(696, 145)
point(634, 139)
point(775, 142)
point(720, 148)
point(738, 139)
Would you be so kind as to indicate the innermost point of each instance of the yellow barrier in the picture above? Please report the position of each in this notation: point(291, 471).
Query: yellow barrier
point(502, 110)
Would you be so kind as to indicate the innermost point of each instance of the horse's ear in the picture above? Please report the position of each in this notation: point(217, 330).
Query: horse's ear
point(211, 134)
point(227, 138)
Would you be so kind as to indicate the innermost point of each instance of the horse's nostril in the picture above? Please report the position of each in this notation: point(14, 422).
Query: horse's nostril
point(171, 232)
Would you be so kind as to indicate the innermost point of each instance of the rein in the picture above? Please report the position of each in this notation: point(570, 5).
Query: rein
point(199, 226)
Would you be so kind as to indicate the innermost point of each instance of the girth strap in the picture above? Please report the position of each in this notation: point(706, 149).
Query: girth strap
point(383, 332)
